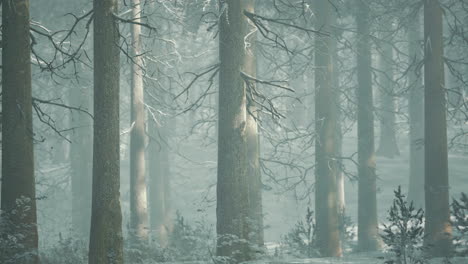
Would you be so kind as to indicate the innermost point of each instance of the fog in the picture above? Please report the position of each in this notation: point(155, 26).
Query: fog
point(269, 131)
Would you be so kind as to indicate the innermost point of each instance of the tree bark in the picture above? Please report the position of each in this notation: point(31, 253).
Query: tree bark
point(368, 237)
point(18, 201)
point(388, 143)
point(232, 209)
point(106, 245)
point(253, 145)
point(326, 113)
point(438, 231)
point(416, 116)
point(139, 225)
point(340, 177)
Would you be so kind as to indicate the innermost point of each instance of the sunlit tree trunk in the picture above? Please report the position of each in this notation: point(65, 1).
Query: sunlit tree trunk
point(388, 143)
point(18, 201)
point(232, 184)
point(253, 148)
point(106, 245)
point(326, 113)
point(139, 225)
point(81, 161)
point(438, 230)
point(368, 237)
point(340, 177)
point(416, 116)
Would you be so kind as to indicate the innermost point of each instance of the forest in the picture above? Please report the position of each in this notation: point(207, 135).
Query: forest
point(234, 131)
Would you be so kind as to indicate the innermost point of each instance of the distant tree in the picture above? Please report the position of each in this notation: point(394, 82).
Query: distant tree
point(18, 196)
point(106, 243)
point(81, 161)
point(368, 238)
point(139, 225)
point(416, 113)
point(438, 230)
point(388, 144)
point(161, 126)
point(326, 114)
point(159, 175)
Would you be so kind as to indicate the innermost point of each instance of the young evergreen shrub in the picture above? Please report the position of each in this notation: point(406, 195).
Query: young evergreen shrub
point(403, 233)
point(301, 240)
point(13, 233)
point(460, 222)
point(67, 251)
point(190, 242)
point(346, 228)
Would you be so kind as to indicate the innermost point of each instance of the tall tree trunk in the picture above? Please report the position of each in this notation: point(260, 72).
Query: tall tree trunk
point(416, 116)
point(368, 237)
point(326, 112)
point(81, 162)
point(232, 184)
point(139, 225)
point(340, 177)
point(106, 245)
point(388, 143)
point(253, 147)
point(18, 201)
point(438, 231)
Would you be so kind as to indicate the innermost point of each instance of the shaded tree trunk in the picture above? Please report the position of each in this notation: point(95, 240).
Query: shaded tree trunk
point(139, 225)
point(438, 231)
point(232, 185)
point(416, 116)
point(18, 201)
point(388, 143)
point(368, 237)
point(326, 113)
point(106, 245)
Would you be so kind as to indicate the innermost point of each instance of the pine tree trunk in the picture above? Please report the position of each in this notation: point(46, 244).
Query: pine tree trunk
point(326, 113)
point(18, 201)
point(340, 177)
point(232, 184)
point(438, 230)
point(368, 237)
point(253, 148)
point(106, 245)
point(416, 116)
point(139, 225)
point(388, 143)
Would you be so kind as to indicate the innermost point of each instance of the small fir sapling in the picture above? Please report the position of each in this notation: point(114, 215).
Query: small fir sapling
point(403, 233)
point(346, 227)
point(301, 240)
point(190, 242)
